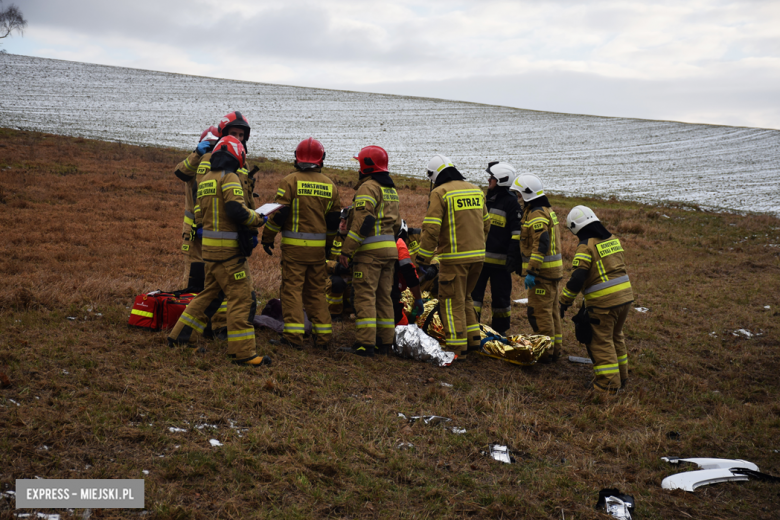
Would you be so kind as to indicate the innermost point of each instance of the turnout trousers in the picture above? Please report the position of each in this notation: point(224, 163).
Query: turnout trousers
point(608, 347)
point(544, 312)
point(303, 287)
point(456, 308)
point(373, 281)
point(501, 295)
point(338, 294)
point(229, 279)
point(195, 273)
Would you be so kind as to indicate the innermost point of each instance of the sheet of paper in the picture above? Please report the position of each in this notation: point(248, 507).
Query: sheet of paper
point(267, 209)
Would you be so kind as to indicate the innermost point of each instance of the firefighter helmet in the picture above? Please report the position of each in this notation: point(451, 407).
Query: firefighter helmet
point(436, 165)
point(372, 159)
point(529, 186)
point(504, 173)
point(579, 217)
point(232, 120)
point(309, 154)
point(233, 147)
point(210, 134)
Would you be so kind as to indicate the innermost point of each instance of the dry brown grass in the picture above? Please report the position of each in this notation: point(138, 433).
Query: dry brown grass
point(88, 225)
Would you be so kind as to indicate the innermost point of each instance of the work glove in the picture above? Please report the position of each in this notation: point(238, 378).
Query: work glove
point(340, 270)
point(530, 281)
point(203, 147)
point(268, 249)
point(422, 272)
point(564, 308)
point(419, 307)
point(254, 242)
point(511, 263)
point(199, 232)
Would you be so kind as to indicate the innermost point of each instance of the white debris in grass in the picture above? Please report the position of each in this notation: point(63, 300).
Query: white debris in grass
point(66, 372)
point(173, 429)
point(522, 301)
point(665, 216)
point(405, 445)
point(447, 385)
point(215, 442)
point(458, 431)
point(744, 333)
point(11, 400)
point(767, 307)
point(643, 309)
point(202, 426)
point(44, 448)
point(713, 334)
point(145, 471)
point(578, 154)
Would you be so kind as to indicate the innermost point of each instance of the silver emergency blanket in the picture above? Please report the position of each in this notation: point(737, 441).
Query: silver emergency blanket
point(412, 343)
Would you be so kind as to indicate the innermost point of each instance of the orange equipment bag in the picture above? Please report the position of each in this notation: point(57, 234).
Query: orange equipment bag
point(158, 310)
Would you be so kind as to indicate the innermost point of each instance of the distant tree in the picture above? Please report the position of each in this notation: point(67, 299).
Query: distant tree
point(11, 20)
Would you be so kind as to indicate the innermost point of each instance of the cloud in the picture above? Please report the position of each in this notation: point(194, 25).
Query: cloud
point(662, 51)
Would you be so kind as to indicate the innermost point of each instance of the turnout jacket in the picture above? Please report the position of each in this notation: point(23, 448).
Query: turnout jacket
point(455, 224)
point(221, 209)
point(504, 231)
point(600, 273)
point(186, 171)
point(312, 207)
point(540, 243)
point(374, 221)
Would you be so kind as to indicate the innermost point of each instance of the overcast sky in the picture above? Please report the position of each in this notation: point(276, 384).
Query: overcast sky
point(704, 61)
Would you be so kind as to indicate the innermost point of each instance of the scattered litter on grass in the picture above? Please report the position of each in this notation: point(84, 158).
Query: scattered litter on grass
point(72, 318)
point(17, 404)
point(713, 334)
point(446, 385)
point(66, 372)
point(215, 442)
point(713, 463)
point(458, 431)
point(44, 448)
point(745, 333)
point(582, 360)
point(767, 307)
point(405, 446)
point(665, 216)
point(522, 301)
point(8, 494)
point(427, 419)
point(201, 426)
point(690, 480)
point(99, 314)
point(500, 453)
point(173, 429)
point(145, 471)
point(641, 309)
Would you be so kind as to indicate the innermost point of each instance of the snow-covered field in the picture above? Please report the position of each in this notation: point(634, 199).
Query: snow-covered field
point(736, 169)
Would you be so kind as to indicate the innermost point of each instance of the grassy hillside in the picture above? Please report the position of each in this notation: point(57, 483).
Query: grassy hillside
point(87, 225)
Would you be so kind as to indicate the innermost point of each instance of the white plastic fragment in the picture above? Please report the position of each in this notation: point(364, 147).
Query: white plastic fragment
point(17, 404)
point(742, 332)
point(447, 385)
point(173, 429)
point(215, 442)
point(72, 318)
point(500, 453)
point(690, 480)
point(582, 360)
point(522, 301)
point(458, 431)
point(405, 446)
point(767, 307)
point(712, 463)
point(641, 309)
point(145, 471)
point(617, 508)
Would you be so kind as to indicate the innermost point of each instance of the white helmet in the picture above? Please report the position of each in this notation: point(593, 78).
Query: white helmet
point(503, 172)
point(529, 186)
point(435, 166)
point(579, 217)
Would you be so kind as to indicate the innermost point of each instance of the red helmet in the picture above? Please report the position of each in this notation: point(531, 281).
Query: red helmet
point(372, 159)
point(233, 147)
point(210, 134)
point(231, 120)
point(309, 154)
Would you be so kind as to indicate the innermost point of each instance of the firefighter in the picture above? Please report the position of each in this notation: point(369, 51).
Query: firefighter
point(222, 210)
point(370, 246)
point(338, 285)
point(186, 172)
point(501, 252)
point(311, 210)
point(600, 273)
point(405, 272)
point(540, 247)
point(455, 226)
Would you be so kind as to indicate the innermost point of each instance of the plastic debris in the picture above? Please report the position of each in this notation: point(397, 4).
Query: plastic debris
point(412, 343)
point(173, 429)
point(615, 503)
point(446, 385)
point(691, 480)
point(501, 453)
point(641, 309)
point(710, 463)
point(405, 446)
point(522, 301)
point(145, 471)
point(458, 431)
point(742, 332)
point(215, 442)
point(72, 318)
point(583, 360)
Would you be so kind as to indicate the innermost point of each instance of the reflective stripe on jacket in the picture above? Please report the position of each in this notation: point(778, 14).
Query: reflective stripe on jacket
point(607, 284)
point(535, 223)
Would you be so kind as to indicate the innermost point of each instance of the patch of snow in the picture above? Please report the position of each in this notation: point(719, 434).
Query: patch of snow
point(215, 442)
